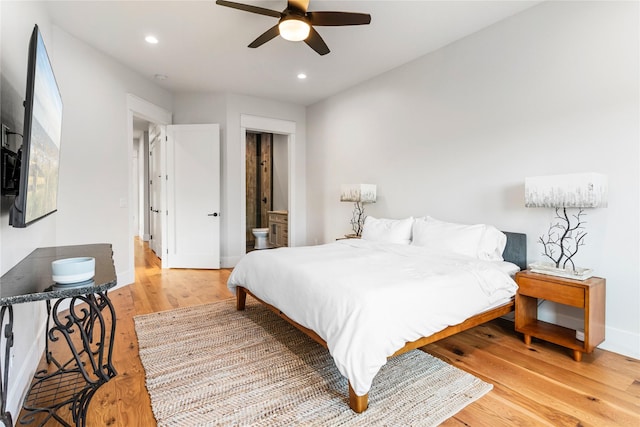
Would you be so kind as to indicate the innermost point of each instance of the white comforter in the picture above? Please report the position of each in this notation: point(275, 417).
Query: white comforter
point(368, 299)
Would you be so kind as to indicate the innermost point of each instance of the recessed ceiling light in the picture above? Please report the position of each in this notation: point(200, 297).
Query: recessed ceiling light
point(160, 77)
point(302, 76)
point(151, 40)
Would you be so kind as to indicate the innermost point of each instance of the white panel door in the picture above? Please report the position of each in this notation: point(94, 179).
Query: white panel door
point(193, 195)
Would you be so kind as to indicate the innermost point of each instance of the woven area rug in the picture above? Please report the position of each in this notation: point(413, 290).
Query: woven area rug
point(212, 365)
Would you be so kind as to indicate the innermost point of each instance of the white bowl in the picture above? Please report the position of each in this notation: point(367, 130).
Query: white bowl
point(73, 270)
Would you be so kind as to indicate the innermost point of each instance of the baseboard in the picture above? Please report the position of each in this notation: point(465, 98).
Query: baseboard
point(20, 381)
point(230, 261)
point(124, 278)
point(622, 342)
point(618, 341)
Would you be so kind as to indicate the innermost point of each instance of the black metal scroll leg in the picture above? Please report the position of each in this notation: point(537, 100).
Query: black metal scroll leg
point(101, 363)
point(88, 328)
point(46, 341)
point(5, 416)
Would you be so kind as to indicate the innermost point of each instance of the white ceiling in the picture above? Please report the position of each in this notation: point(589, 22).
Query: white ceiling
point(203, 46)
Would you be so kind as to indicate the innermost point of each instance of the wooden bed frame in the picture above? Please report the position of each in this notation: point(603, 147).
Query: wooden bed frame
point(359, 403)
point(515, 252)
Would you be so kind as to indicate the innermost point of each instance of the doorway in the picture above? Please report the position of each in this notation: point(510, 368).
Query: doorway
point(147, 190)
point(143, 111)
point(266, 185)
point(259, 182)
point(284, 135)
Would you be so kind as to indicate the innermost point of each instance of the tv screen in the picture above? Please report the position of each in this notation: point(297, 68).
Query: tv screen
point(38, 187)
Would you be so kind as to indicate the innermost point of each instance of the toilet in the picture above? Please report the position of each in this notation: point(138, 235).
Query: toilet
point(261, 238)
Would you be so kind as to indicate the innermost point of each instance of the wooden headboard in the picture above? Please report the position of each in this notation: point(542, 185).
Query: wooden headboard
point(516, 249)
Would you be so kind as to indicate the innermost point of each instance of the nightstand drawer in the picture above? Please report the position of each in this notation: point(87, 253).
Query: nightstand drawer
point(568, 295)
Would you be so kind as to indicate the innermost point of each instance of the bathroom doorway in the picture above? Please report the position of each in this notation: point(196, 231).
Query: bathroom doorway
point(266, 182)
point(259, 194)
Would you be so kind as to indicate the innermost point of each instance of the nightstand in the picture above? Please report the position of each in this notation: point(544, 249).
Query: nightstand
point(588, 295)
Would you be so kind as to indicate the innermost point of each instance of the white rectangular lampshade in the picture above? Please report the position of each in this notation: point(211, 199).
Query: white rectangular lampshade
point(578, 190)
point(364, 193)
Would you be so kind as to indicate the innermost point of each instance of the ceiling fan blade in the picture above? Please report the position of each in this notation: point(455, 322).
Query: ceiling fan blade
point(266, 36)
point(316, 43)
point(249, 8)
point(301, 5)
point(338, 18)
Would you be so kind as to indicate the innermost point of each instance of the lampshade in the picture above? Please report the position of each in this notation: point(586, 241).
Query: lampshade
point(294, 29)
point(579, 190)
point(364, 193)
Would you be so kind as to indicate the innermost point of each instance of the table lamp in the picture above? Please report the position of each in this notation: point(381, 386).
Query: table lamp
point(359, 194)
point(567, 233)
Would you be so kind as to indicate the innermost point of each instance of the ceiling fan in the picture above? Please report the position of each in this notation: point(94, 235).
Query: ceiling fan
point(296, 24)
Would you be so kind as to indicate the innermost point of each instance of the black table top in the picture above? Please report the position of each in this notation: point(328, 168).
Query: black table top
point(30, 279)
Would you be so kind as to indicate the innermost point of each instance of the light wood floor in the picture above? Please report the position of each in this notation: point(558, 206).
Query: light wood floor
point(533, 386)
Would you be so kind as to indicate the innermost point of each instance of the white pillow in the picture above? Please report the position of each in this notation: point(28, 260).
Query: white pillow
point(492, 244)
point(461, 238)
point(448, 237)
point(387, 230)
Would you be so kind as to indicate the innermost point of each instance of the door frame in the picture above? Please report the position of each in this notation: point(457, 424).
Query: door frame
point(160, 201)
point(268, 125)
point(156, 114)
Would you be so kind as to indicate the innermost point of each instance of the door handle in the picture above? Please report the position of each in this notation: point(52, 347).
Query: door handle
point(264, 200)
point(213, 214)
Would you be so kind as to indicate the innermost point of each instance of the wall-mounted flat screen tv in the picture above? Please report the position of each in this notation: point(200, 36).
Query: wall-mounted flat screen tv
point(38, 187)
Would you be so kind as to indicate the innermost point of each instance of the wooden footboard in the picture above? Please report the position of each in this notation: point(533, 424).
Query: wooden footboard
point(359, 403)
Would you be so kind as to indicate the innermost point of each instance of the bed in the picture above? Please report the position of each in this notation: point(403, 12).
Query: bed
point(405, 284)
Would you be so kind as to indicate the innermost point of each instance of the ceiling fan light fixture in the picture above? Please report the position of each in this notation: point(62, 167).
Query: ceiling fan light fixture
point(294, 29)
point(296, 24)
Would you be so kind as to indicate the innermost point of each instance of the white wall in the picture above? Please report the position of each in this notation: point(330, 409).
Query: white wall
point(18, 20)
point(245, 105)
point(226, 110)
point(453, 135)
point(96, 151)
point(16, 24)
point(94, 162)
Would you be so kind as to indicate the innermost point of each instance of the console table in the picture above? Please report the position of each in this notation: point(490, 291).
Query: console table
point(87, 326)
